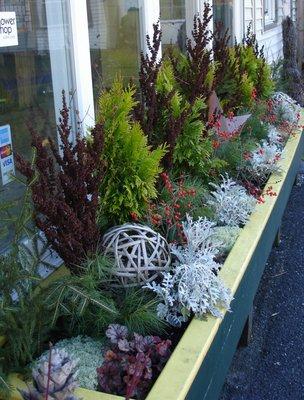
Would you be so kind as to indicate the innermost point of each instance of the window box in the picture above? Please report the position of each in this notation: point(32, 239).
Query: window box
point(198, 366)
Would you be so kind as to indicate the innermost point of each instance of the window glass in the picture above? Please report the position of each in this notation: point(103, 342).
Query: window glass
point(172, 9)
point(114, 29)
point(223, 14)
point(32, 75)
point(173, 23)
point(270, 11)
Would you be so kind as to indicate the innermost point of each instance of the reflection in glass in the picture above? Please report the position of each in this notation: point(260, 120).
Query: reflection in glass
point(29, 83)
point(114, 28)
point(223, 14)
point(173, 23)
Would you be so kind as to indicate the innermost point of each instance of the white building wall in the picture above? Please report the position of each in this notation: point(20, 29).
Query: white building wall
point(270, 38)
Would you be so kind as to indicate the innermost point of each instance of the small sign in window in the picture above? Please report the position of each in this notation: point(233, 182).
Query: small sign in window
point(6, 155)
point(8, 29)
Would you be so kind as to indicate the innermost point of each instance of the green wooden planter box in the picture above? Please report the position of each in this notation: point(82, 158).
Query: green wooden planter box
point(198, 366)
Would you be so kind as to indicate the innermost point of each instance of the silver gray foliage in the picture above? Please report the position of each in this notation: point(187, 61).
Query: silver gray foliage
point(226, 236)
point(231, 203)
point(264, 161)
point(192, 285)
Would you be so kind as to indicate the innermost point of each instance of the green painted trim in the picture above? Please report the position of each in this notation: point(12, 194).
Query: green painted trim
point(197, 368)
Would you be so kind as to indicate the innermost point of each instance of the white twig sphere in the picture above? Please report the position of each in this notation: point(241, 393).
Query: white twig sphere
point(140, 253)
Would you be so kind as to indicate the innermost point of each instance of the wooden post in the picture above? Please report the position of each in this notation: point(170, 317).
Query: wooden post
point(277, 240)
point(247, 330)
point(300, 30)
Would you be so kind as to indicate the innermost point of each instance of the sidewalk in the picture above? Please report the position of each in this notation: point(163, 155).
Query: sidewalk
point(272, 366)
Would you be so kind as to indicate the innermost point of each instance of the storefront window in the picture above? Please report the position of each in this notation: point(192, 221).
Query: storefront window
point(114, 29)
point(223, 14)
point(172, 9)
point(173, 23)
point(32, 76)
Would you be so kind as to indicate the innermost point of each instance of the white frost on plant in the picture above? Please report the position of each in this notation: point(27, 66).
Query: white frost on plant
point(285, 107)
point(264, 161)
point(88, 353)
point(231, 203)
point(192, 285)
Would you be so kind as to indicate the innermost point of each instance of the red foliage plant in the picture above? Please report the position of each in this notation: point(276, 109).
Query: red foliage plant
point(65, 191)
point(150, 64)
point(193, 77)
point(131, 364)
point(152, 111)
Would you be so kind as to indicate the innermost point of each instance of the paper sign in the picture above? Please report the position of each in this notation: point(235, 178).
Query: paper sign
point(6, 155)
point(8, 29)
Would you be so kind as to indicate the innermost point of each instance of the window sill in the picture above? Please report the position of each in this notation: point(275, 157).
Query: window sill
point(270, 25)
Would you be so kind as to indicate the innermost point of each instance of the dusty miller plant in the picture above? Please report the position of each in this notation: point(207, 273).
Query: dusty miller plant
point(226, 236)
point(285, 108)
point(263, 162)
point(231, 203)
point(192, 286)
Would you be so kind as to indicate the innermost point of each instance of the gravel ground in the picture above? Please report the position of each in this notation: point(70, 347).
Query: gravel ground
point(272, 366)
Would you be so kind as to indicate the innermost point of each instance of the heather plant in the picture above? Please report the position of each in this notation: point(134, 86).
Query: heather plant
point(65, 189)
point(131, 363)
point(231, 203)
point(192, 286)
point(161, 110)
point(132, 167)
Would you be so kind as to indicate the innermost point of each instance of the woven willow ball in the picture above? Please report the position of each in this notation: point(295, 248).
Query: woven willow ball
point(140, 253)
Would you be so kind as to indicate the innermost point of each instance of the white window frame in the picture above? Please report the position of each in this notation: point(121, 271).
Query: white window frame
point(84, 99)
point(81, 58)
point(82, 63)
point(270, 10)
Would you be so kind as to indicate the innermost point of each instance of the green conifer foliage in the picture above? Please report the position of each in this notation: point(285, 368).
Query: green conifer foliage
point(242, 73)
point(132, 167)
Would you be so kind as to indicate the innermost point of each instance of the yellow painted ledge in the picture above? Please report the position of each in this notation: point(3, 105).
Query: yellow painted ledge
point(83, 394)
point(183, 365)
